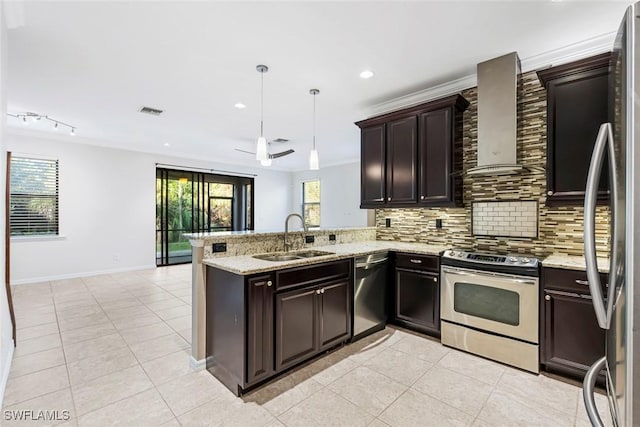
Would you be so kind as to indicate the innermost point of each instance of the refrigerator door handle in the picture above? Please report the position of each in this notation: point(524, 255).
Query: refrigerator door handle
point(588, 392)
point(590, 196)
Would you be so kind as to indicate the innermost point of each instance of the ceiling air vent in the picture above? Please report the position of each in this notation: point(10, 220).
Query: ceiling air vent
point(149, 110)
point(280, 140)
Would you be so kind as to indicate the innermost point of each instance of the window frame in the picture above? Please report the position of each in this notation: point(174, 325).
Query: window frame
point(38, 236)
point(304, 203)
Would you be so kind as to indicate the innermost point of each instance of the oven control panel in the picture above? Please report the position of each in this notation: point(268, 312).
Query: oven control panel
point(483, 258)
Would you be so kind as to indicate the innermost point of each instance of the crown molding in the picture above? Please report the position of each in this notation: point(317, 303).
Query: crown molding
point(573, 52)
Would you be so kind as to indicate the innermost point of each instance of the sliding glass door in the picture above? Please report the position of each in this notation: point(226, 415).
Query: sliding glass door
point(191, 202)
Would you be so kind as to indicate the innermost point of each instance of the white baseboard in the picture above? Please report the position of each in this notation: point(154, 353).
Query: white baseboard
point(82, 274)
point(197, 365)
point(5, 374)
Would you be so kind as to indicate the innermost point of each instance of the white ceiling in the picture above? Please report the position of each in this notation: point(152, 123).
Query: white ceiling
point(94, 64)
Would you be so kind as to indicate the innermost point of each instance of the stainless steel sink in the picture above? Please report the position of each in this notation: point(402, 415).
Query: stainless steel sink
point(312, 253)
point(277, 257)
point(290, 256)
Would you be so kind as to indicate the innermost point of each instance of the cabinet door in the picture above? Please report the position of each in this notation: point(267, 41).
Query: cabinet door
point(572, 341)
point(417, 299)
point(335, 313)
point(577, 104)
point(259, 328)
point(435, 154)
point(402, 144)
point(296, 326)
point(373, 170)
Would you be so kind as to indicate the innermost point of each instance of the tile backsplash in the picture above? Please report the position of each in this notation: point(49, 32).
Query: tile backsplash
point(505, 219)
point(559, 229)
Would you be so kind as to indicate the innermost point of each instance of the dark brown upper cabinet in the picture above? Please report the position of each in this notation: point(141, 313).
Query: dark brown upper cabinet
point(373, 175)
point(410, 157)
point(402, 149)
point(577, 104)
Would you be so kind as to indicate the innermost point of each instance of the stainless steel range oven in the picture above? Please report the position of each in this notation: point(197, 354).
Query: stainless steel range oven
point(489, 306)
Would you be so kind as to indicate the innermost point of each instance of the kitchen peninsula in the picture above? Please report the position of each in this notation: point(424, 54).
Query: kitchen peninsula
point(234, 276)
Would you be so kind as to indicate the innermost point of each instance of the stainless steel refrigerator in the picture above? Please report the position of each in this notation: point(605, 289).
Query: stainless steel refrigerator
point(617, 305)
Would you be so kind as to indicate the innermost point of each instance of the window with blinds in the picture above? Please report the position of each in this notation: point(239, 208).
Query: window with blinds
point(33, 197)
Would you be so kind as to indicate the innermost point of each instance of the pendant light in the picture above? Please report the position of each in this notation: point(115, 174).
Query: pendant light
point(313, 156)
point(267, 162)
point(261, 148)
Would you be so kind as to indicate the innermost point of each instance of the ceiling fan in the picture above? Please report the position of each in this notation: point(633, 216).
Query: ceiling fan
point(269, 154)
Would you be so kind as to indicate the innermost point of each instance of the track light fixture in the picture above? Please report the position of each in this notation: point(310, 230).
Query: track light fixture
point(38, 117)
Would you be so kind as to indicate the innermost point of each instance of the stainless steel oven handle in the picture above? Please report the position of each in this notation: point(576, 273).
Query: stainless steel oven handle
point(460, 272)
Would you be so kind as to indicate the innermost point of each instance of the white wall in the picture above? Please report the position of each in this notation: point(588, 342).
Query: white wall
point(107, 208)
point(339, 195)
point(6, 339)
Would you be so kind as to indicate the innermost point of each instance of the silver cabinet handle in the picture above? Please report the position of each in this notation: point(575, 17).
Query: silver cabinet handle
point(435, 279)
point(322, 291)
point(588, 391)
point(421, 197)
point(549, 193)
point(582, 282)
point(269, 283)
point(388, 199)
point(547, 297)
point(415, 261)
point(591, 192)
point(318, 291)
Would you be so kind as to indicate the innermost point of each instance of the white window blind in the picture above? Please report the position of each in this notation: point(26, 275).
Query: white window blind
point(34, 197)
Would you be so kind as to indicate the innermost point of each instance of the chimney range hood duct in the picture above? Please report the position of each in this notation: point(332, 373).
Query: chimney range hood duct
point(497, 116)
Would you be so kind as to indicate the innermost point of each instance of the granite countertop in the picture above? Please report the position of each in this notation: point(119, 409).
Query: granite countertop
point(244, 233)
point(246, 264)
point(572, 262)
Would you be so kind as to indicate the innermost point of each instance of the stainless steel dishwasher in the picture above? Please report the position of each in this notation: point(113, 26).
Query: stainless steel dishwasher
point(369, 298)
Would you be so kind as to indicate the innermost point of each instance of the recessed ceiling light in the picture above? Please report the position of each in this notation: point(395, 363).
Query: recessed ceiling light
point(239, 105)
point(366, 74)
point(166, 144)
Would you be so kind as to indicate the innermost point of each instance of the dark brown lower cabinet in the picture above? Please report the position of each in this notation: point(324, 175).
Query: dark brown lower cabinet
point(418, 299)
point(310, 320)
point(296, 326)
point(417, 293)
point(260, 328)
point(571, 339)
point(335, 314)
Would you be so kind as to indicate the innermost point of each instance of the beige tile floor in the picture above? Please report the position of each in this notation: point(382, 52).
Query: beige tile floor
point(113, 350)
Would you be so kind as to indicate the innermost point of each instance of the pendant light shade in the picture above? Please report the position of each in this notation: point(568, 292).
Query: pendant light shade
point(314, 163)
point(261, 147)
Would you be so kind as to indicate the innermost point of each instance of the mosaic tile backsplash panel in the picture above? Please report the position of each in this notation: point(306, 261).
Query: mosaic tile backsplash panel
point(559, 228)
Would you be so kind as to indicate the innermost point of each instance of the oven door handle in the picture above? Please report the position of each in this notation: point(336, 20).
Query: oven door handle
point(460, 272)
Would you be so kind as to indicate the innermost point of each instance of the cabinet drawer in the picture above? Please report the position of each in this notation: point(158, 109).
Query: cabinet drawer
point(569, 280)
point(309, 275)
point(418, 262)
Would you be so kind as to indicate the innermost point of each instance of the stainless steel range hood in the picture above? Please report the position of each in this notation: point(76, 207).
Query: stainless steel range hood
point(497, 116)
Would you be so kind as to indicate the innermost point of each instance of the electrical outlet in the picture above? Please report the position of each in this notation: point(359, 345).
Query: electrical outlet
point(219, 247)
point(332, 237)
point(438, 223)
point(387, 222)
point(309, 239)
